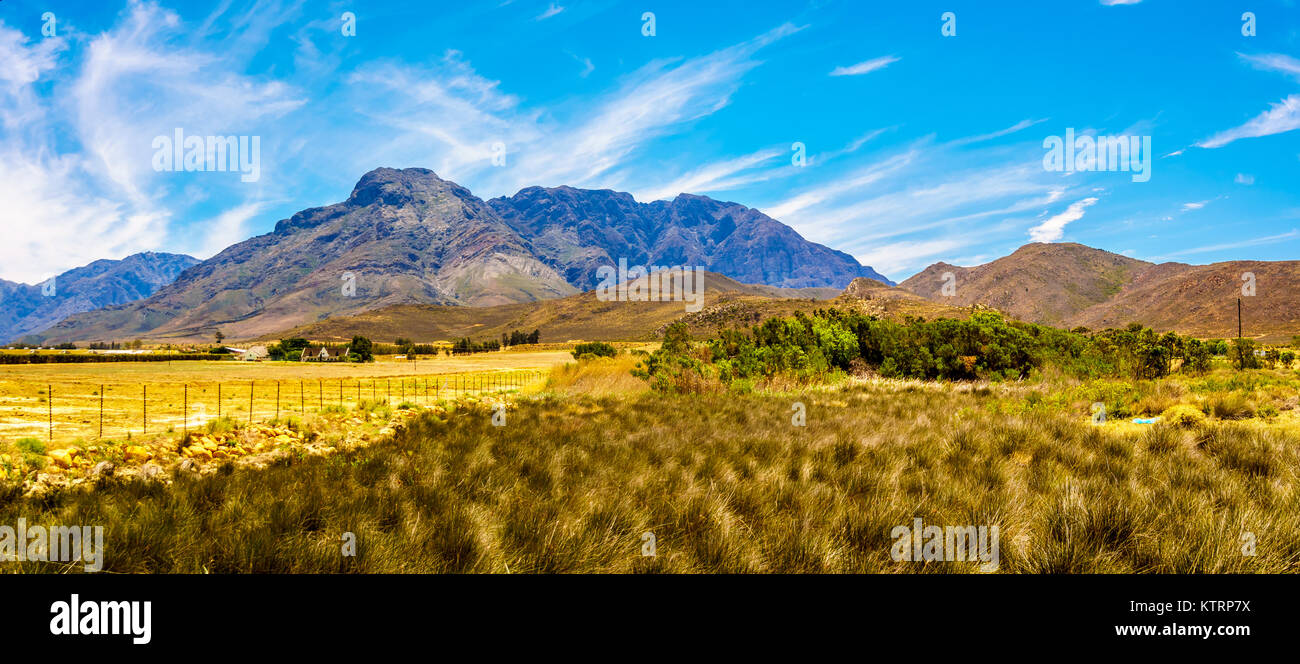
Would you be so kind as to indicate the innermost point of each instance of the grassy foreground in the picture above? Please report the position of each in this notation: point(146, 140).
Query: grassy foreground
point(726, 483)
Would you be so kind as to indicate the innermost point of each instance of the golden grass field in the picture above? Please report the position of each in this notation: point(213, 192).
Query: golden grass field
point(588, 459)
point(581, 469)
point(129, 388)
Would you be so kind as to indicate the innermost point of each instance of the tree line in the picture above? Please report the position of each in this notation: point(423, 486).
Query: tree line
point(985, 346)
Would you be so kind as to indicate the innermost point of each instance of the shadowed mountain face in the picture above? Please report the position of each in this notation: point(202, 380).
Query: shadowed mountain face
point(410, 237)
point(578, 230)
point(25, 309)
point(403, 236)
point(1069, 285)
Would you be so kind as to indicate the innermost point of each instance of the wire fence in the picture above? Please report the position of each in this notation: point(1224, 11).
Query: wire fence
point(78, 410)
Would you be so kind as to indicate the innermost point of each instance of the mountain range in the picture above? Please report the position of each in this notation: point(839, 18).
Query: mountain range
point(1069, 285)
point(576, 231)
point(407, 242)
point(409, 237)
point(25, 308)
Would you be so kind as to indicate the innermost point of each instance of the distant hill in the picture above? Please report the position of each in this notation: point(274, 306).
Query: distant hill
point(25, 308)
point(410, 237)
point(1070, 285)
point(1044, 283)
point(1202, 300)
point(582, 316)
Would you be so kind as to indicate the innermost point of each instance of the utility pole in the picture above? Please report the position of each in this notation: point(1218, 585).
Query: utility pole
point(1238, 318)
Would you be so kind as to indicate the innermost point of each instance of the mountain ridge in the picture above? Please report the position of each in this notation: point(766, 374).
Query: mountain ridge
point(721, 236)
point(1069, 285)
point(25, 308)
point(407, 236)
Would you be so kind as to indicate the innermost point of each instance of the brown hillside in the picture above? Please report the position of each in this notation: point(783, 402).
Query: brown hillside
point(581, 316)
point(1201, 300)
point(1044, 283)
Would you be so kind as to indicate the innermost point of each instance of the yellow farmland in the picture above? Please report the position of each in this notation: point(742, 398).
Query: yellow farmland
point(148, 398)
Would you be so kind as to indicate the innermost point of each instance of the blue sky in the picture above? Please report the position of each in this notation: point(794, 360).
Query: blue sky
point(919, 147)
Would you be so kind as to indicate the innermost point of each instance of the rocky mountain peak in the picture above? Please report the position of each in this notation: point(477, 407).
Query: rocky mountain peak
point(398, 187)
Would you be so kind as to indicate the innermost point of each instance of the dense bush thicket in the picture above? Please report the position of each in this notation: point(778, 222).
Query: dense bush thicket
point(986, 346)
point(594, 349)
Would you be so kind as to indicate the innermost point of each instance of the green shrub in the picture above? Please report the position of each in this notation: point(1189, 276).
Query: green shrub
point(30, 445)
point(593, 349)
point(1183, 415)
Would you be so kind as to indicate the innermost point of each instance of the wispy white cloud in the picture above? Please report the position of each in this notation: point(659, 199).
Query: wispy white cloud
point(900, 210)
point(865, 67)
point(860, 178)
point(1194, 206)
point(1282, 117)
point(1274, 62)
point(1244, 178)
point(1053, 228)
point(78, 160)
point(1255, 242)
point(227, 228)
point(448, 116)
point(1019, 126)
point(52, 225)
point(443, 115)
point(587, 65)
point(1110, 3)
point(895, 257)
point(53, 216)
point(718, 176)
point(140, 81)
point(552, 10)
